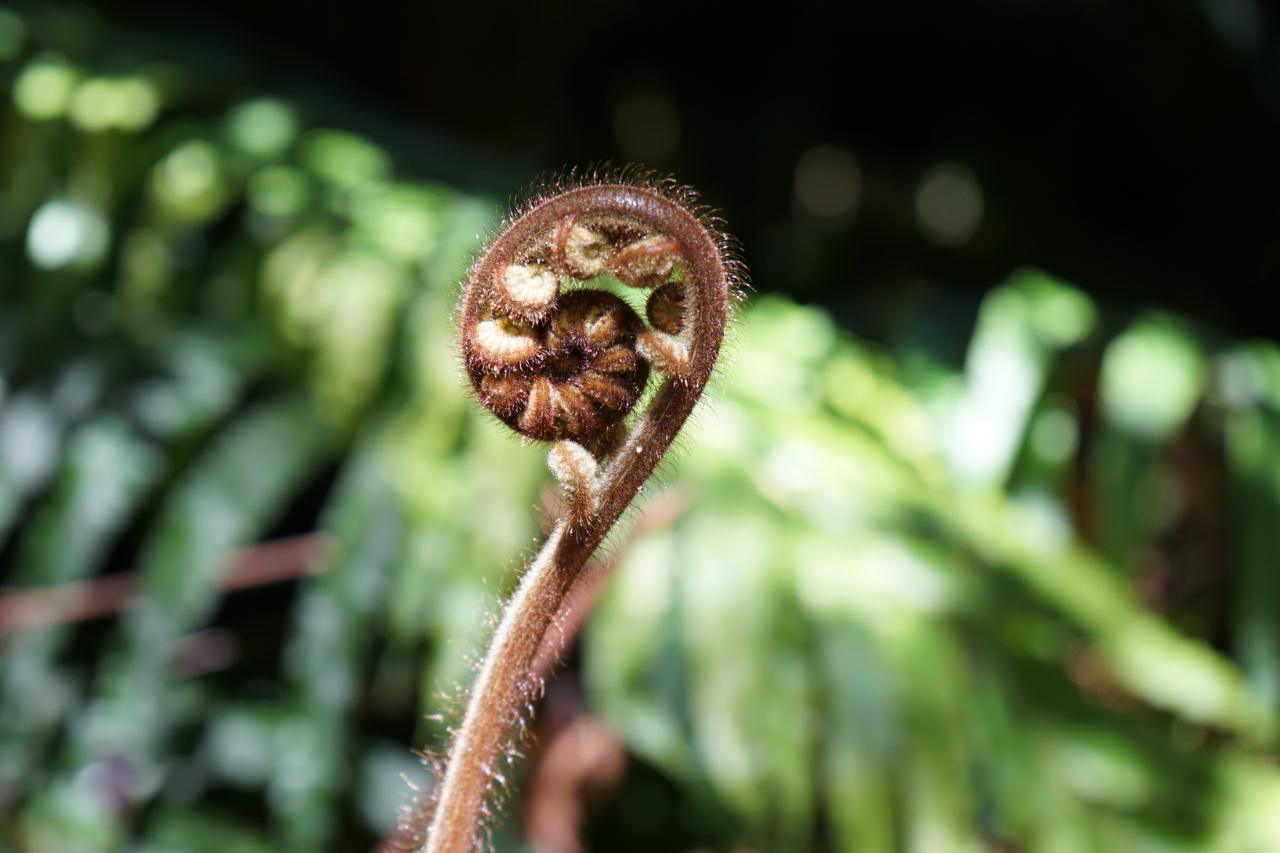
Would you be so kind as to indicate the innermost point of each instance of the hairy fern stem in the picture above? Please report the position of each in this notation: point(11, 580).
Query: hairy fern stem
point(568, 367)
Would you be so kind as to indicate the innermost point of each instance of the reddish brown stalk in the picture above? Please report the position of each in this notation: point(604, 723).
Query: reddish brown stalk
point(267, 563)
point(583, 760)
point(568, 367)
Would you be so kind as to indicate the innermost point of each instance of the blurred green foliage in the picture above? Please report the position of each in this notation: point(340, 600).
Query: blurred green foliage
point(1026, 604)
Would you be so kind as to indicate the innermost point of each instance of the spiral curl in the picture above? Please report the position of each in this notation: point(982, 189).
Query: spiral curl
point(569, 364)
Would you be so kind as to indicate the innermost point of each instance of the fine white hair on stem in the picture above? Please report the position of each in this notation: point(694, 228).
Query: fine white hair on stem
point(582, 362)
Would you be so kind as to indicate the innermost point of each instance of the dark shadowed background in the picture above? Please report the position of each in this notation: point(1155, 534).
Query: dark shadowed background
point(1128, 147)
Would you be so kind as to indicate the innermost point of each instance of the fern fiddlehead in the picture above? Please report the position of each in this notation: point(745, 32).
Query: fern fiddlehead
point(560, 362)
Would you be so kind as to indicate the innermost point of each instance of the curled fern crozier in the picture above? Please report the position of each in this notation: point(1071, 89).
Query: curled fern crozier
point(557, 360)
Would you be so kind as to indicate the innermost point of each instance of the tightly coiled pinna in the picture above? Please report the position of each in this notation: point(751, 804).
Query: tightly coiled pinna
point(556, 363)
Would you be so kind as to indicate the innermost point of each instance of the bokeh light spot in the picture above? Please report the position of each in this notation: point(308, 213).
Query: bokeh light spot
point(949, 205)
point(67, 233)
point(100, 103)
point(279, 190)
point(1055, 435)
point(44, 88)
point(28, 447)
point(344, 158)
point(263, 127)
point(137, 103)
point(91, 107)
point(1061, 316)
point(1151, 378)
point(1249, 375)
point(189, 181)
point(828, 181)
point(397, 219)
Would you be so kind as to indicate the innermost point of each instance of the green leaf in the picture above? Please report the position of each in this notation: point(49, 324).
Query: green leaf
point(327, 650)
point(105, 473)
point(1252, 441)
point(229, 497)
